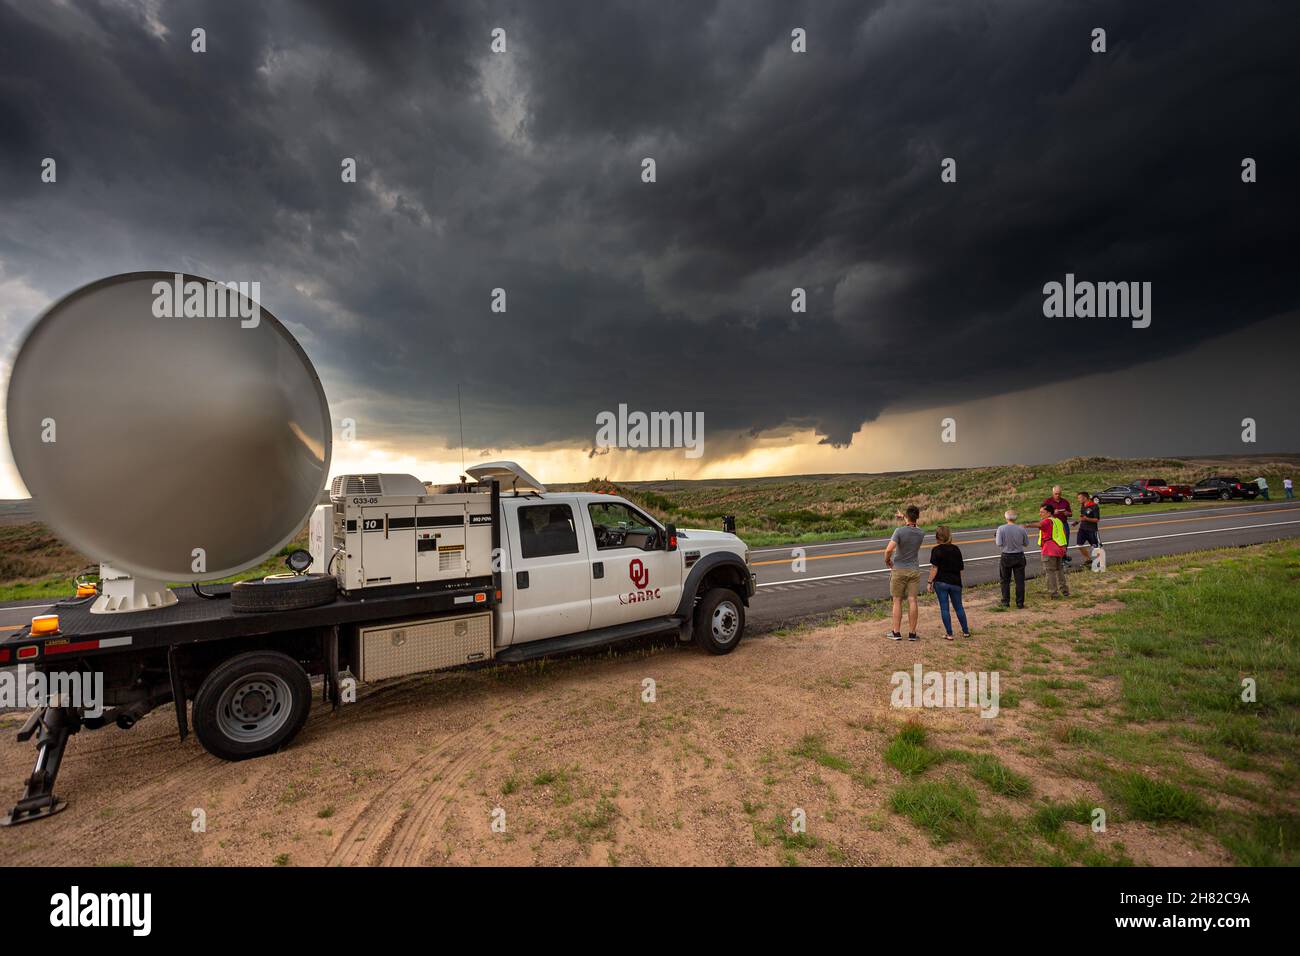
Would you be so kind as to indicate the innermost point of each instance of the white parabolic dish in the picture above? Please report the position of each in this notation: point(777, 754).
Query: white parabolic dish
point(156, 443)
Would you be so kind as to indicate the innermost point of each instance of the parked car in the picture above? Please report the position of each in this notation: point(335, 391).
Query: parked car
point(1164, 489)
point(1128, 494)
point(1225, 488)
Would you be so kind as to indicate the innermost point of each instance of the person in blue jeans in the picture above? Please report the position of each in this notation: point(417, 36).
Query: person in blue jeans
point(945, 579)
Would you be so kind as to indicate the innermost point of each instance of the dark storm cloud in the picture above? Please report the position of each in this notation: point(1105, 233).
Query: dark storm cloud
point(775, 170)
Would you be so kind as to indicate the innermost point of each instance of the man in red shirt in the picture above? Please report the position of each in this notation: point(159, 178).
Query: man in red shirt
point(1060, 508)
point(1052, 542)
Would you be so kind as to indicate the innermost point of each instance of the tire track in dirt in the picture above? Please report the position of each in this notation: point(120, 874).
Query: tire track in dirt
point(418, 828)
point(384, 813)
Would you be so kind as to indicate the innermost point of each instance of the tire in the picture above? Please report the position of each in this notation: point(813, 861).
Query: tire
point(719, 621)
point(251, 704)
point(1128, 501)
point(283, 594)
point(1225, 496)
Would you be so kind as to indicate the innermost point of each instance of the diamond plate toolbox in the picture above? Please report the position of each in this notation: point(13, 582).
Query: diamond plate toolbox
point(413, 647)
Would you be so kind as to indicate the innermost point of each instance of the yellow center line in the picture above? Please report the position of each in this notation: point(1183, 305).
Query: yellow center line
point(1127, 524)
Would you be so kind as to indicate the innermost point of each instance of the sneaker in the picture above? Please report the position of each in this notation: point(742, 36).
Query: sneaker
point(893, 635)
point(913, 637)
point(965, 633)
point(947, 637)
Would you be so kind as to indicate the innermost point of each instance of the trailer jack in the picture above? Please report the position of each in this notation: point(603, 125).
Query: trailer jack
point(52, 726)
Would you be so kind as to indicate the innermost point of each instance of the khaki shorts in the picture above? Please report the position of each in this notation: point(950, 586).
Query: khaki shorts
point(904, 582)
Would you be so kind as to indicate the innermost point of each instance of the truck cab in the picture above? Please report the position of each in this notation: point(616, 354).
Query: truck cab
point(583, 568)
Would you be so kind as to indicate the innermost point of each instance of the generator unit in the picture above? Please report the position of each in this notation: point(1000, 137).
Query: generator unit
point(390, 530)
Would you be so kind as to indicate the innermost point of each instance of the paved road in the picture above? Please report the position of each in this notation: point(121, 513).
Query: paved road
point(838, 573)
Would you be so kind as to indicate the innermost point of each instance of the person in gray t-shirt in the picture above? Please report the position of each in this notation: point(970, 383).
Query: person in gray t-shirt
point(1012, 540)
point(1011, 537)
point(901, 557)
point(907, 541)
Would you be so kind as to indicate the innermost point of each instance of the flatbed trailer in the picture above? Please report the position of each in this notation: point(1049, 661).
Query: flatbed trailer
point(165, 655)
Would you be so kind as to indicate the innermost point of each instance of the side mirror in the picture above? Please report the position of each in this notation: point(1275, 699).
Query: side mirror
point(298, 560)
point(670, 537)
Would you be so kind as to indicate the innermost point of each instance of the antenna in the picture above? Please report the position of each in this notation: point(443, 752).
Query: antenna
point(462, 429)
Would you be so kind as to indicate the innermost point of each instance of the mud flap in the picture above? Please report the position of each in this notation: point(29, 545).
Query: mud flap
point(178, 692)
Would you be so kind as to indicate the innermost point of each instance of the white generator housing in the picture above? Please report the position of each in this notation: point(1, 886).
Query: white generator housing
point(389, 530)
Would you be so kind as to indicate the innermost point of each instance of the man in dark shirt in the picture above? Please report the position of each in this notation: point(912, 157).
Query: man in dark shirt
point(1087, 537)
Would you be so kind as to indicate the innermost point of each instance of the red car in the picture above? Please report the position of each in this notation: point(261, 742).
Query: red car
point(1164, 489)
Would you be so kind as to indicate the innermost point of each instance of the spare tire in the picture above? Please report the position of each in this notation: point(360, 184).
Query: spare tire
point(283, 594)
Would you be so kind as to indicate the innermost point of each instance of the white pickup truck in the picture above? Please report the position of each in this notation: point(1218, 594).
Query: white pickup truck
point(409, 579)
point(573, 569)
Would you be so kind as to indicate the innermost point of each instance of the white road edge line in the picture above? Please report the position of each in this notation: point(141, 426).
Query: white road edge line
point(1110, 521)
point(990, 557)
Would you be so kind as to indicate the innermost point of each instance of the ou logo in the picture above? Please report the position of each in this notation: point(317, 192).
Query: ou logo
point(639, 573)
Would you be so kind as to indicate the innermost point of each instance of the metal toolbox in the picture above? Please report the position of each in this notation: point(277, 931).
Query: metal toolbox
point(413, 647)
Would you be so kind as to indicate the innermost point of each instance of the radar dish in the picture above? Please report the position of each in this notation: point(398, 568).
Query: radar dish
point(181, 447)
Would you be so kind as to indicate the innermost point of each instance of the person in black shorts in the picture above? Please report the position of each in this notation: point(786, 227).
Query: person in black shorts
point(1089, 521)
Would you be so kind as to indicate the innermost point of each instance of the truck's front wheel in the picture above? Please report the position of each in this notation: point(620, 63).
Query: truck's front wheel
point(719, 621)
point(251, 704)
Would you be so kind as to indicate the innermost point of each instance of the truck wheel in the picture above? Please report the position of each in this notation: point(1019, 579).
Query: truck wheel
point(252, 704)
point(719, 621)
point(283, 594)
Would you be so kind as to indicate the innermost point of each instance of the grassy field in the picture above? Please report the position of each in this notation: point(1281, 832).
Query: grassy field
point(1145, 705)
point(824, 507)
point(36, 564)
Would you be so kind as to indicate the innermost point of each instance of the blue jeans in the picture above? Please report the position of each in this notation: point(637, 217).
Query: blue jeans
point(950, 592)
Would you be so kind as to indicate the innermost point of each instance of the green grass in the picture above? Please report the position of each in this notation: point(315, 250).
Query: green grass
point(812, 747)
point(1189, 630)
point(1183, 646)
point(1154, 800)
point(999, 778)
point(1048, 818)
point(1267, 840)
point(940, 807)
point(908, 752)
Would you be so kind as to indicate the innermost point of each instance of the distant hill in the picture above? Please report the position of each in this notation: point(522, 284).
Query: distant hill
point(824, 507)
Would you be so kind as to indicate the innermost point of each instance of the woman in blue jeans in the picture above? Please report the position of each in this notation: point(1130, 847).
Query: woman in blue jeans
point(945, 578)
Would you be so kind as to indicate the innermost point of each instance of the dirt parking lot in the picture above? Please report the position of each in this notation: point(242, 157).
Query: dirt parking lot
point(579, 769)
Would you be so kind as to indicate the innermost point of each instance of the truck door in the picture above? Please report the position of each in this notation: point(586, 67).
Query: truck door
point(632, 576)
point(550, 573)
